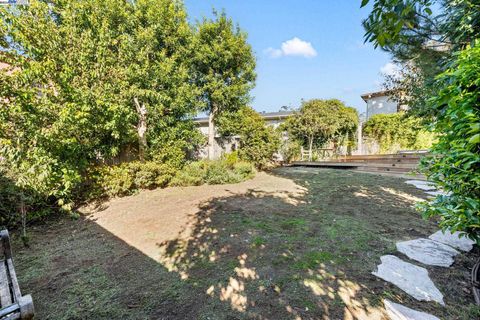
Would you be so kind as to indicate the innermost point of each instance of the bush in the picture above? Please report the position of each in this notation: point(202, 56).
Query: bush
point(290, 149)
point(258, 141)
point(12, 198)
point(398, 131)
point(191, 175)
point(126, 178)
point(227, 170)
point(454, 164)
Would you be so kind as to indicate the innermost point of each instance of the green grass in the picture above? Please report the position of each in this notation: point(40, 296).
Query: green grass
point(264, 253)
point(312, 260)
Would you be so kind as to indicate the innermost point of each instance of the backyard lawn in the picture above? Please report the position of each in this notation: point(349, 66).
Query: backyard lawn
point(295, 243)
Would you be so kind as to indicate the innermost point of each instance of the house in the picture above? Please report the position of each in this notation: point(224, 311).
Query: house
point(226, 145)
point(381, 102)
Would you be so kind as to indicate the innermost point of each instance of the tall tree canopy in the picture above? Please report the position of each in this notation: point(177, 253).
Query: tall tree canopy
point(224, 68)
point(320, 121)
point(422, 36)
point(89, 80)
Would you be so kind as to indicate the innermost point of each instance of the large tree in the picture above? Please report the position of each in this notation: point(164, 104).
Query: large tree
point(88, 79)
point(320, 121)
point(422, 37)
point(224, 69)
point(156, 61)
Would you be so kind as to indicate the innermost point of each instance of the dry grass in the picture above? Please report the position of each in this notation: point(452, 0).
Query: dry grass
point(295, 244)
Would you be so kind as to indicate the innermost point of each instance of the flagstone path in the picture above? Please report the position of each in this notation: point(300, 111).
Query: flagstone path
point(438, 250)
point(398, 312)
point(428, 252)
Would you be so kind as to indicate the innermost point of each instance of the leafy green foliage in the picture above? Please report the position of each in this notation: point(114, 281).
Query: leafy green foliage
point(78, 68)
point(398, 131)
point(224, 68)
point(214, 172)
point(321, 121)
point(11, 199)
point(414, 35)
point(92, 81)
point(290, 149)
point(422, 36)
point(455, 161)
point(127, 178)
point(258, 141)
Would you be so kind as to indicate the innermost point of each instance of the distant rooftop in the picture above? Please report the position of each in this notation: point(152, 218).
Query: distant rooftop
point(265, 115)
point(382, 93)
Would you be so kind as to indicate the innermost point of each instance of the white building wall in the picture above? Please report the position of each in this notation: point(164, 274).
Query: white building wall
point(381, 105)
point(223, 146)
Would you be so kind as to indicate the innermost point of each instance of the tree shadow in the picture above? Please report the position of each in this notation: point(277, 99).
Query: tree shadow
point(270, 256)
point(252, 255)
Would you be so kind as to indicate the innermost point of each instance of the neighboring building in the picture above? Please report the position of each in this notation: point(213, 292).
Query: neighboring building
point(225, 145)
point(381, 102)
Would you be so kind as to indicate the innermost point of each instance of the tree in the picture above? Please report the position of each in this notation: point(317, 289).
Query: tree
point(258, 141)
point(454, 164)
point(320, 121)
point(87, 80)
point(224, 69)
point(156, 64)
point(422, 36)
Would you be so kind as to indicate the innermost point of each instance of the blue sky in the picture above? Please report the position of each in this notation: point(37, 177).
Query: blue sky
point(325, 57)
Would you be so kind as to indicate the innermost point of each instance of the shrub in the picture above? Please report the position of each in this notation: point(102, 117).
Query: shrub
point(244, 169)
point(12, 198)
point(218, 172)
point(191, 175)
point(258, 141)
point(290, 149)
point(227, 170)
point(454, 164)
point(129, 177)
point(398, 131)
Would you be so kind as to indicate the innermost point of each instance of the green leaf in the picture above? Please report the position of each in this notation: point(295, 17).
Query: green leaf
point(364, 3)
point(474, 139)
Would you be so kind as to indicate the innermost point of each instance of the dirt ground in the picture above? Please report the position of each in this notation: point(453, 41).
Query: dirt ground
point(296, 243)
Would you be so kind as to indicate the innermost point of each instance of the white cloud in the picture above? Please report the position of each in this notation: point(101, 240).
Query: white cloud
point(273, 53)
point(293, 47)
point(390, 69)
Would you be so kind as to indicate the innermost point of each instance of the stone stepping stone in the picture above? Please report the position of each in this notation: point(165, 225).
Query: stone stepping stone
point(428, 252)
point(453, 240)
point(396, 311)
point(424, 185)
point(436, 193)
point(412, 279)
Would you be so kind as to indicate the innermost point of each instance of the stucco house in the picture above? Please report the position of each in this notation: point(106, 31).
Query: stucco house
point(224, 145)
point(381, 102)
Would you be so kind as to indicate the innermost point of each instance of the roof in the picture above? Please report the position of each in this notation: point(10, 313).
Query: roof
point(382, 93)
point(265, 115)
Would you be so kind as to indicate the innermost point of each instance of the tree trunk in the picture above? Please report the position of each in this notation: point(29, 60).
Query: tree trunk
point(211, 133)
point(23, 215)
point(310, 146)
point(141, 128)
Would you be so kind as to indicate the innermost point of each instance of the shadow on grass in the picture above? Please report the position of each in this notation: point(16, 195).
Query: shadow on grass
point(257, 255)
